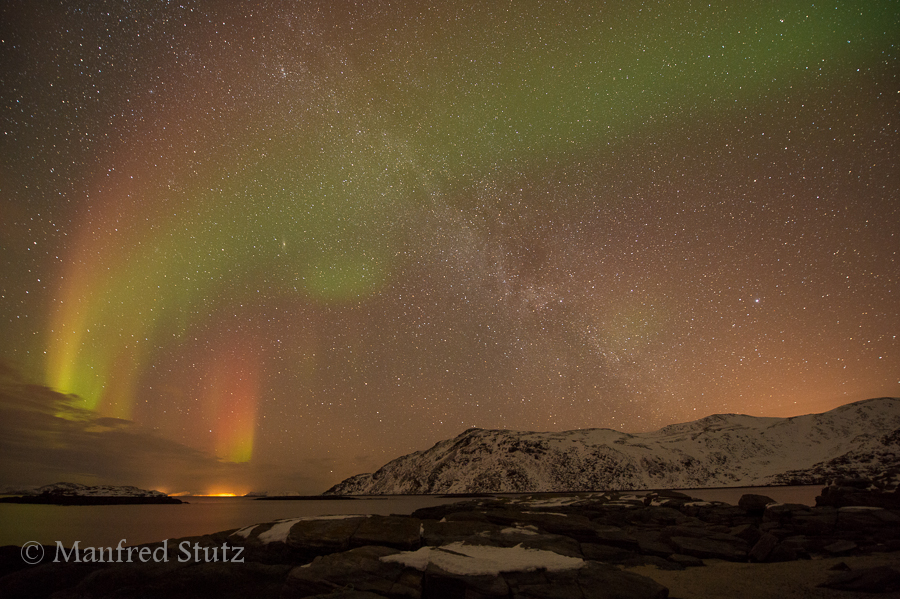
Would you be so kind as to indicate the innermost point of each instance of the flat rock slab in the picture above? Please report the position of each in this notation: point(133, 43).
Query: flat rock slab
point(399, 532)
point(324, 536)
point(360, 569)
point(511, 537)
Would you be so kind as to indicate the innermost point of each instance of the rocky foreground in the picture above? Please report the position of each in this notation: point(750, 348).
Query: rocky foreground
point(571, 546)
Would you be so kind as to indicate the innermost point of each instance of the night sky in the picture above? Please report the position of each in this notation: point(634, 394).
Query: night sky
point(271, 245)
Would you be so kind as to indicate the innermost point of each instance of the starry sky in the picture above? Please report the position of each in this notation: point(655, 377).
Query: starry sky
point(269, 245)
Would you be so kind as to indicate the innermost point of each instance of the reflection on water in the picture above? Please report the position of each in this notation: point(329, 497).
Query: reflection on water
point(106, 525)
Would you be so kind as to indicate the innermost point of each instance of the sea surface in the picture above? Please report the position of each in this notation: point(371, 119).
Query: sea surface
point(106, 525)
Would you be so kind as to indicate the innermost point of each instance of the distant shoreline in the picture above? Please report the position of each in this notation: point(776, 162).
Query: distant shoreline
point(386, 496)
point(303, 497)
point(88, 500)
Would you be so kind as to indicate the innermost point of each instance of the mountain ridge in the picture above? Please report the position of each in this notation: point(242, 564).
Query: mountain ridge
point(717, 450)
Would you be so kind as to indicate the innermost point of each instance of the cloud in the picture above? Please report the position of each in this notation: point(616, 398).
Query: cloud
point(45, 438)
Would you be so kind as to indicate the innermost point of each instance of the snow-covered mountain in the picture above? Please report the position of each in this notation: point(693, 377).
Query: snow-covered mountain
point(724, 450)
point(80, 490)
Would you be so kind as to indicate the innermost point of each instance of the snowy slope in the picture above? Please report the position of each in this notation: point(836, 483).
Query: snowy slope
point(723, 450)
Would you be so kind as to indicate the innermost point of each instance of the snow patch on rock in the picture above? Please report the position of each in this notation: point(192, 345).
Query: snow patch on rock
point(478, 560)
point(278, 533)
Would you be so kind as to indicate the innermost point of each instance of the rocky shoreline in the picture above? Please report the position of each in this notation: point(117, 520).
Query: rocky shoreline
point(527, 547)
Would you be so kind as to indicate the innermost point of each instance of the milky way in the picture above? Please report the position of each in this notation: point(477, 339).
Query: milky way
point(299, 239)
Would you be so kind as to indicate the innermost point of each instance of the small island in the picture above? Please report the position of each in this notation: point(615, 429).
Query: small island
point(78, 494)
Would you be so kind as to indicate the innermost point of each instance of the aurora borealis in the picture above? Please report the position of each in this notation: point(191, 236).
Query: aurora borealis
point(287, 242)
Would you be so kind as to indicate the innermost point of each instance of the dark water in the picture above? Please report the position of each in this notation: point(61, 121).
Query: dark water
point(106, 525)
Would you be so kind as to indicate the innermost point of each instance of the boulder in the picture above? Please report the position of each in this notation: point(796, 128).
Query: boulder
point(748, 532)
point(784, 513)
point(859, 492)
point(821, 521)
point(763, 548)
point(770, 549)
point(755, 504)
point(867, 520)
